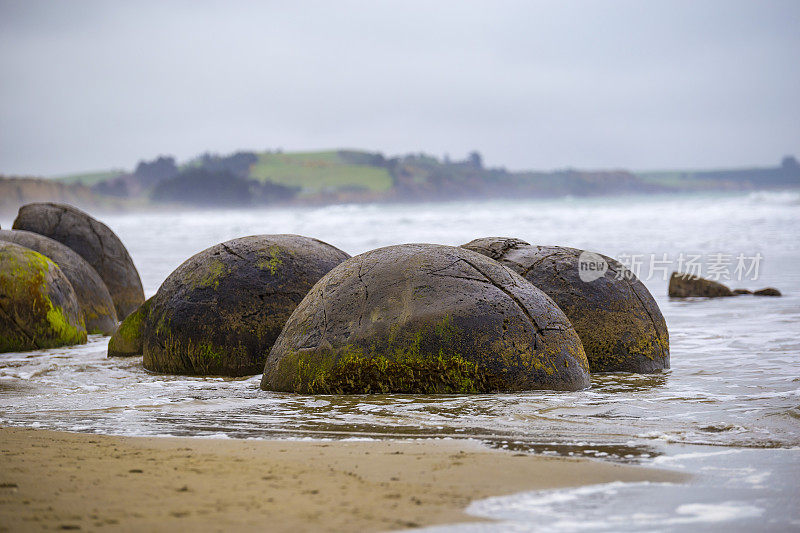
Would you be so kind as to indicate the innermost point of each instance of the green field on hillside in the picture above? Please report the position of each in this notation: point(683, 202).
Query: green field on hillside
point(315, 172)
point(90, 178)
point(665, 177)
point(677, 179)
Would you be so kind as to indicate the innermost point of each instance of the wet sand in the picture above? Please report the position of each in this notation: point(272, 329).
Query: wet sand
point(56, 480)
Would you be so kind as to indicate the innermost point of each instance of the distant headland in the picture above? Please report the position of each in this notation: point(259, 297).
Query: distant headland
point(346, 176)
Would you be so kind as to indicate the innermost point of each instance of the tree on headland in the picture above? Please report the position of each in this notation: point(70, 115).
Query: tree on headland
point(475, 159)
point(211, 188)
point(238, 163)
point(151, 172)
point(146, 175)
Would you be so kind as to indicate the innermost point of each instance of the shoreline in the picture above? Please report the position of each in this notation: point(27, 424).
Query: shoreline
point(111, 205)
point(60, 480)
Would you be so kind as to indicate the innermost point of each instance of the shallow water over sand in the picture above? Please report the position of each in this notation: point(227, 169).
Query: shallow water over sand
point(734, 384)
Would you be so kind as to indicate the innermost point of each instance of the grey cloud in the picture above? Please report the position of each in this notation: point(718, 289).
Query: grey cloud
point(92, 85)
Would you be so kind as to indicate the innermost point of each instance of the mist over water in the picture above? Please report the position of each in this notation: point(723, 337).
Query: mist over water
point(733, 389)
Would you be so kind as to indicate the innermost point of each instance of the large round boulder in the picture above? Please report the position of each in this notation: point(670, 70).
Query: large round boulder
point(95, 302)
point(127, 340)
point(425, 318)
point(616, 317)
point(38, 308)
point(95, 242)
point(220, 311)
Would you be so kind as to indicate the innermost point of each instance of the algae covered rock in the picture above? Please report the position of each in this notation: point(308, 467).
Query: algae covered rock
point(128, 338)
point(220, 311)
point(38, 307)
point(616, 317)
point(95, 242)
point(424, 318)
point(769, 291)
point(689, 286)
point(95, 302)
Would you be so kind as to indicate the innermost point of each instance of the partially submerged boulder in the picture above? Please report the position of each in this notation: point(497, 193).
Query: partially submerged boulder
point(424, 318)
point(686, 285)
point(690, 286)
point(38, 307)
point(615, 316)
point(769, 291)
point(220, 311)
point(95, 302)
point(128, 338)
point(95, 242)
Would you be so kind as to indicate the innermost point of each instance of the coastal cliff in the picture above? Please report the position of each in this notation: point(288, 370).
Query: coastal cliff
point(18, 191)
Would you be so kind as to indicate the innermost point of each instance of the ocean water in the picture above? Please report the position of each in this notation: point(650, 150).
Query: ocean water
point(728, 411)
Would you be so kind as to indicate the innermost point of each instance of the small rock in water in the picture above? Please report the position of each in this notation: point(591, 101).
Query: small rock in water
point(38, 308)
point(689, 286)
point(127, 340)
point(769, 291)
point(95, 242)
point(425, 318)
point(742, 291)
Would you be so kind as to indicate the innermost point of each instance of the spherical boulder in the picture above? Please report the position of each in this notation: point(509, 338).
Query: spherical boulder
point(95, 302)
point(425, 318)
point(38, 307)
point(220, 311)
point(127, 339)
point(616, 317)
point(95, 242)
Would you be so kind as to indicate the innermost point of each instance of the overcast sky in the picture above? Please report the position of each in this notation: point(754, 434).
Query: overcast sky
point(541, 85)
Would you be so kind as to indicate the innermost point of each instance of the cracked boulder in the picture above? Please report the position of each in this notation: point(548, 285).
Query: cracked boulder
point(616, 317)
point(95, 302)
point(220, 312)
point(425, 318)
point(92, 240)
point(38, 307)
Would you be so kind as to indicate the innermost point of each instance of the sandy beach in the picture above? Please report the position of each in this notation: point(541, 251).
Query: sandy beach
point(56, 480)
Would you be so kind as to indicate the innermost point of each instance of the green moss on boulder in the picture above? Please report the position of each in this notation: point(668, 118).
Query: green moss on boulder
point(616, 317)
point(94, 299)
point(127, 340)
point(220, 311)
point(92, 240)
point(423, 318)
point(38, 307)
